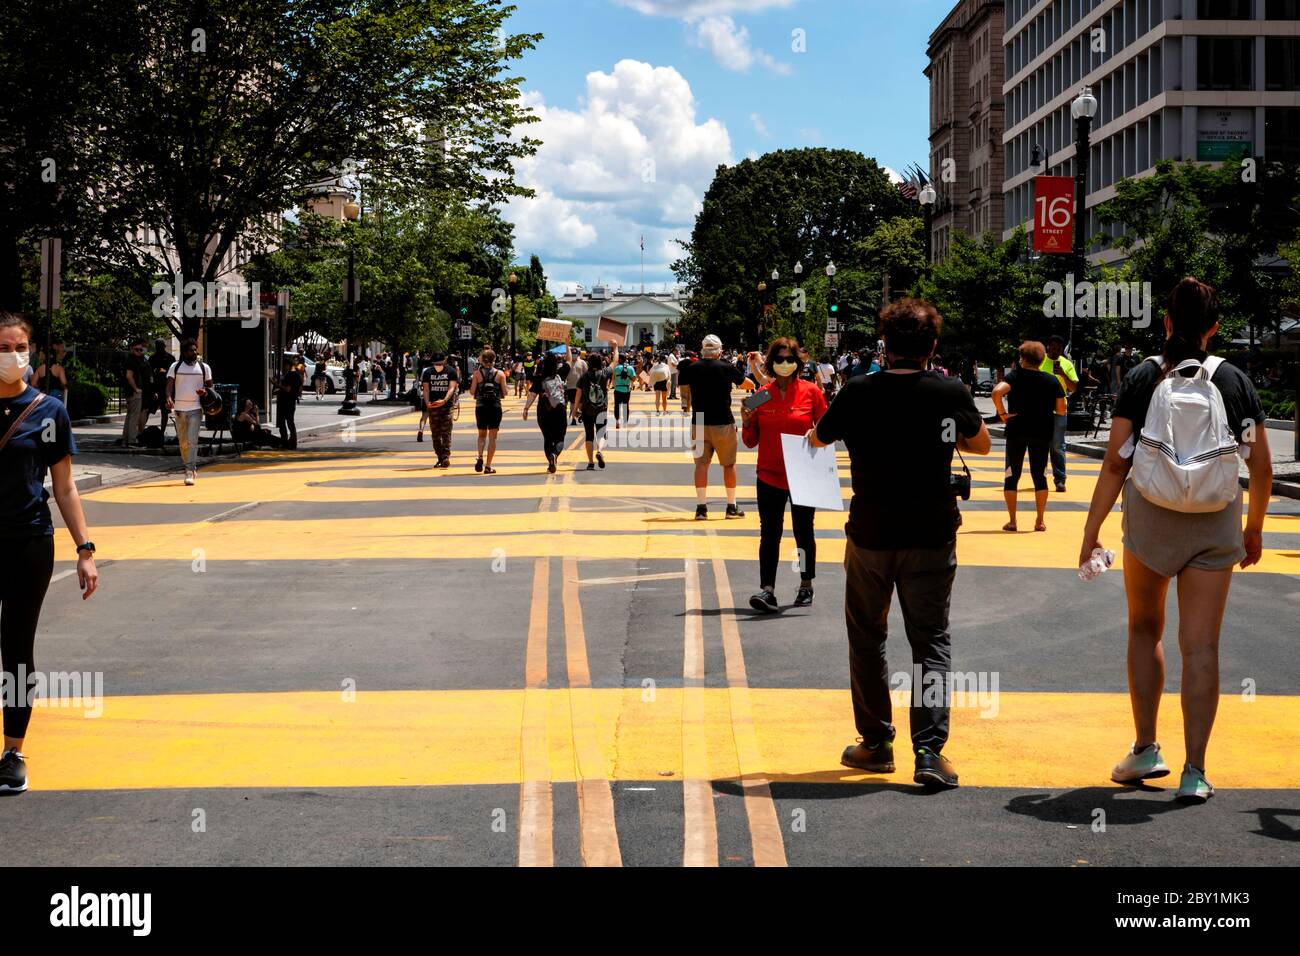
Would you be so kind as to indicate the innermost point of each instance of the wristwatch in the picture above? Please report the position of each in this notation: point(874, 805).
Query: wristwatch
point(88, 546)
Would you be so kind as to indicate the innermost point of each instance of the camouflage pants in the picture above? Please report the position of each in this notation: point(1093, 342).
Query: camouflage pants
point(440, 431)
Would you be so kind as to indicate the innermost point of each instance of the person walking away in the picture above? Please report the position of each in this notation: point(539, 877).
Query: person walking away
point(51, 377)
point(487, 387)
point(552, 413)
point(593, 392)
point(673, 361)
point(795, 408)
point(684, 390)
point(136, 379)
point(286, 404)
point(624, 376)
point(439, 383)
point(35, 441)
point(826, 377)
point(902, 534)
point(1179, 422)
point(1037, 399)
point(319, 380)
point(659, 376)
point(1063, 369)
point(576, 371)
point(713, 426)
point(188, 382)
point(159, 362)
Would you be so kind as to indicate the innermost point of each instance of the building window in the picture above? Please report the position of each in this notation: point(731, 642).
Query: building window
point(1281, 70)
point(1283, 10)
point(1225, 63)
point(1224, 10)
point(1282, 134)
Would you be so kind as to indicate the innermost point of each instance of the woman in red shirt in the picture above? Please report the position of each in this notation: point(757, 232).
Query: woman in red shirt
point(795, 407)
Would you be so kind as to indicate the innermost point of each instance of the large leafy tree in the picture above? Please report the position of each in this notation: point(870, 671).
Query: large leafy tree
point(803, 205)
point(212, 117)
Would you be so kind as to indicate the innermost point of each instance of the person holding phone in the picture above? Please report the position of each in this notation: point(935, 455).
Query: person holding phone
point(787, 405)
point(35, 441)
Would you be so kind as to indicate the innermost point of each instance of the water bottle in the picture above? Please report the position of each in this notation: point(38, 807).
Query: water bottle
point(1096, 565)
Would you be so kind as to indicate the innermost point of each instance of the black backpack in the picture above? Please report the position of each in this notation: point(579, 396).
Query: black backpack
point(488, 392)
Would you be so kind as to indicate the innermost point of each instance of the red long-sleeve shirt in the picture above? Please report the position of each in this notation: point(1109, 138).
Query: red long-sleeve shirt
point(800, 409)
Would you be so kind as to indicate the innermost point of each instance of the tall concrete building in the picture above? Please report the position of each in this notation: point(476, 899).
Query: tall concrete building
point(1205, 80)
point(966, 155)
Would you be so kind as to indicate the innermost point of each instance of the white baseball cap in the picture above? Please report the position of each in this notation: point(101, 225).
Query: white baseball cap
point(711, 343)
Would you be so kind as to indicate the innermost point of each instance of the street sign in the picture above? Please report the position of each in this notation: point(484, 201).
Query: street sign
point(1053, 214)
point(832, 340)
point(832, 325)
point(465, 331)
point(51, 272)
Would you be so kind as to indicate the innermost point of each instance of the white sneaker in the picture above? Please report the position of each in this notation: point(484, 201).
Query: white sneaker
point(189, 477)
point(1144, 765)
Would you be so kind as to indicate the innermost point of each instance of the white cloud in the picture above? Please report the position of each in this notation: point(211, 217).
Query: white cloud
point(634, 159)
point(759, 126)
point(729, 44)
point(685, 9)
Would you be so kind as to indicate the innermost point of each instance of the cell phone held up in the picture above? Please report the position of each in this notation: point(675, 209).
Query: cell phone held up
point(758, 399)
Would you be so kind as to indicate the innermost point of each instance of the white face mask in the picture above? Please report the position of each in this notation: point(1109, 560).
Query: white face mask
point(784, 368)
point(12, 366)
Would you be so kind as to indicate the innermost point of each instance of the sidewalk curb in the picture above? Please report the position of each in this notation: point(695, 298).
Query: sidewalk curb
point(1281, 489)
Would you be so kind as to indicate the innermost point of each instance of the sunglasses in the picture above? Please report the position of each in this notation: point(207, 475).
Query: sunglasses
point(783, 358)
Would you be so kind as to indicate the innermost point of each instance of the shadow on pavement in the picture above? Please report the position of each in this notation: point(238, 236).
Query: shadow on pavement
point(1139, 805)
point(1271, 824)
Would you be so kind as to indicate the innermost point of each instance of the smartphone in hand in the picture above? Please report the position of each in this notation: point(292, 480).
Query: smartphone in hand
point(758, 399)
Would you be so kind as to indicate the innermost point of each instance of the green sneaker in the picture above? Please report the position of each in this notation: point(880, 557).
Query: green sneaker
point(1193, 787)
point(1137, 765)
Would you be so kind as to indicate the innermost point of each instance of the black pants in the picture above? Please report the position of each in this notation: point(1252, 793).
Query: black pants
point(25, 568)
point(554, 423)
point(1016, 448)
point(621, 406)
point(771, 521)
point(923, 578)
point(593, 422)
point(285, 407)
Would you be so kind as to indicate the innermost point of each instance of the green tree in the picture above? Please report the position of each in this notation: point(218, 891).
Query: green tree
point(804, 205)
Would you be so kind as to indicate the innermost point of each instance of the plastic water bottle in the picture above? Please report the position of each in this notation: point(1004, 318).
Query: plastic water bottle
point(1096, 565)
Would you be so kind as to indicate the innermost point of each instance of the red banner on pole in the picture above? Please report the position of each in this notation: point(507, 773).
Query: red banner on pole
point(1053, 214)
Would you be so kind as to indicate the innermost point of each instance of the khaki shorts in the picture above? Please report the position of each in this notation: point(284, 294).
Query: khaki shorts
point(719, 438)
point(1168, 541)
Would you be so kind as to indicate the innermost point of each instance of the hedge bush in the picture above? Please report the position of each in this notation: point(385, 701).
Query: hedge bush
point(87, 399)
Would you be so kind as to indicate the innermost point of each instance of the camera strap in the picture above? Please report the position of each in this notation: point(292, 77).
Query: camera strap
point(963, 460)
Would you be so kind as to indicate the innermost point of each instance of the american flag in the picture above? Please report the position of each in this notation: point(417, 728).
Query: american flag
point(643, 243)
point(913, 180)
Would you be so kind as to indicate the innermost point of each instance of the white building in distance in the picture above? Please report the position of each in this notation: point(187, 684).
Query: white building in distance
point(652, 311)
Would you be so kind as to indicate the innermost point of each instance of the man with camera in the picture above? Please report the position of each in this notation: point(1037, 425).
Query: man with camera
point(900, 428)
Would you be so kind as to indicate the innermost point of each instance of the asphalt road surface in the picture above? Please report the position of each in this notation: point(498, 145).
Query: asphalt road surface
point(345, 656)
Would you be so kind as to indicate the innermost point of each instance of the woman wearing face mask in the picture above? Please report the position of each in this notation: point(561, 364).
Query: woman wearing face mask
point(552, 418)
point(795, 407)
point(28, 421)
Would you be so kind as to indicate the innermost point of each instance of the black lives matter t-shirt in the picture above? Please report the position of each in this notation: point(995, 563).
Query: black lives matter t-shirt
point(1240, 400)
point(1032, 402)
point(711, 382)
point(900, 430)
point(439, 382)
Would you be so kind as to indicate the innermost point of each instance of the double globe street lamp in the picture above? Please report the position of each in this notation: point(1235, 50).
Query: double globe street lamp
point(351, 213)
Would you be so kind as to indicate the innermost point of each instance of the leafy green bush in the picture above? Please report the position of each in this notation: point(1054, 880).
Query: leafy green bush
point(1284, 410)
point(87, 399)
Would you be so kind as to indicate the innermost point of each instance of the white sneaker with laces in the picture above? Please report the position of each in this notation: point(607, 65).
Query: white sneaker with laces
point(1146, 764)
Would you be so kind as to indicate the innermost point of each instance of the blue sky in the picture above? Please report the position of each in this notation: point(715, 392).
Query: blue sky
point(642, 99)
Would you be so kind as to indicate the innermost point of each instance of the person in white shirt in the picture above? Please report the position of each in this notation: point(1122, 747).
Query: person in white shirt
point(672, 374)
point(826, 377)
point(659, 376)
point(187, 382)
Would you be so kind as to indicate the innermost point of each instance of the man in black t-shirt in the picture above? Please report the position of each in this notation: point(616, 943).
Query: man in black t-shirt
point(900, 428)
point(438, 384)
point(708, 383)
point(286, 403)
point(1037, 398)
point(137, 383)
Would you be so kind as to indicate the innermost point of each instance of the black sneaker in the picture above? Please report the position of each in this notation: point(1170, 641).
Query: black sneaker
point(872, 759)
point(701, 512)
point(764, 601)
point(591, 466)
point(478, 466)
point(803, 597)
point(600, 459)
point(13, 772)
point(1060, 486)
point(733, 511)
point(550, 464)
point(419, 436)
point(933, 770)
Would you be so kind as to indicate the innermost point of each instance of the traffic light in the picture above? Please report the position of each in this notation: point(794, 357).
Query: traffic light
point(464, 307)
point(833, 301)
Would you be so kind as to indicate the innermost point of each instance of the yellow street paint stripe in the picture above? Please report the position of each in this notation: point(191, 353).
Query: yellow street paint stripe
point(535, 803)
point(764, 830)
point(981, 542)
point(447, 738)
point(699, 823)
point(635, 579)
point(595, 800)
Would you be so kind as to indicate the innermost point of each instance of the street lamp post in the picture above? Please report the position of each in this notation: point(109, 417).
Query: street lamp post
point(928, 197)
point(1083, 109)
point(351, 212)
point(514, 334)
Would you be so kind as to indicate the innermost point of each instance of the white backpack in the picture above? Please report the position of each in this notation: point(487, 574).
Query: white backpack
point(1186, 459)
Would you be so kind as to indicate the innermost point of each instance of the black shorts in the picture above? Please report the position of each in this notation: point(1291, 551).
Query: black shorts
point(569, 395)
point(593, 419)
point(661, 386)
point(487, 417)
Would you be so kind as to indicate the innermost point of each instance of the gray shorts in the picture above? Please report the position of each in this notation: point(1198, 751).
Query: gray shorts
point(1168, 541)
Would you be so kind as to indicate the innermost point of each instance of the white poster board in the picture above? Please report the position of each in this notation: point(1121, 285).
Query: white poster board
point(812, 473)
